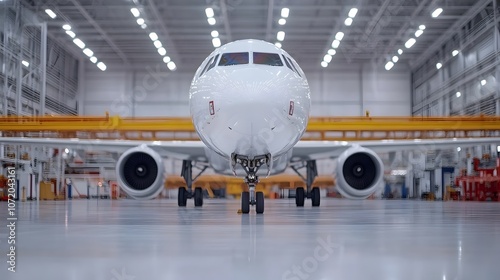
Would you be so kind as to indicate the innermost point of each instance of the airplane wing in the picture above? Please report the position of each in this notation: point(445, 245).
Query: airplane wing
point(183, 150)
point(310, 150)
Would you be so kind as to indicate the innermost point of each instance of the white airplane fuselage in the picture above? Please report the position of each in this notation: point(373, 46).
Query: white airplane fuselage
point(249, 107)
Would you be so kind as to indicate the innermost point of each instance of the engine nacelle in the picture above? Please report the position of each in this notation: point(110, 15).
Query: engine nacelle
point(359, 172)
point(140, 172)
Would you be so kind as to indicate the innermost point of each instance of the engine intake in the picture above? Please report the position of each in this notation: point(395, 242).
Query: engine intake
point(140, 172)
point(359, 172)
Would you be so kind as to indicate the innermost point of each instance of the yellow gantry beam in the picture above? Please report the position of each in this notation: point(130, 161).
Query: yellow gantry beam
point(329, 128)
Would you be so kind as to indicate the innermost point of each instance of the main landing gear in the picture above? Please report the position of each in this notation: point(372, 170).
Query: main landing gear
point(311, 193)
point(251, 166)
point(185, 193)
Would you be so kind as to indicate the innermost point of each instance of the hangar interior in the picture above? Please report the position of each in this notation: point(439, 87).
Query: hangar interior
point(452, 69)
point(98, 65)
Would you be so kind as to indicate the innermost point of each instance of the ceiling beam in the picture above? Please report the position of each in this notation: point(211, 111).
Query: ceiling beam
point(404, 28)
point(225, 19)
point(478, 7)
point(171, 49)
point(269, 24)
point(101, 31)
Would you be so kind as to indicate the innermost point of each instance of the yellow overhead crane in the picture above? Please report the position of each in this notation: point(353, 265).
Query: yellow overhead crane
point(319, 128)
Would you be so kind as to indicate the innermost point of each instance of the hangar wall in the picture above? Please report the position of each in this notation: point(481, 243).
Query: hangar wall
point(468, 83)
point(344, 90)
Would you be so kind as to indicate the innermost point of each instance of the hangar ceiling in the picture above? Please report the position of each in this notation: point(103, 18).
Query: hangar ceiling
point(379, 29)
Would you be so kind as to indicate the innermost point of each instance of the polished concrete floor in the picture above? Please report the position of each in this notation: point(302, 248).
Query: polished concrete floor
point(143, 240)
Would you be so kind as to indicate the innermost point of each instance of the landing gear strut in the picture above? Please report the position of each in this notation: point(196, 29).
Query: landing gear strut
point(311, 193)
point(251, 166)
point(185, 193)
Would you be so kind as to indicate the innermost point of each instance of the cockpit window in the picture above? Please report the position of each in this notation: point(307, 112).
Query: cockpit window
point(293, 65)
point(228, 59)
point(212, 64)
point(272, 59)
point(287, 63)
point(206, 66)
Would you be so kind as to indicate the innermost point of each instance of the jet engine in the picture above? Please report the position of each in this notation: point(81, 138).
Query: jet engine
point(359, 172)
point(140, 172)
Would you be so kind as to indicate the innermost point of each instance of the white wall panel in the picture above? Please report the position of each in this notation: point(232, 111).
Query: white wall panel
point(344, 90)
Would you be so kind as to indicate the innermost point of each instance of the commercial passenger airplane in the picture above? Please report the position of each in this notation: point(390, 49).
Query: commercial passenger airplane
point(249, 103)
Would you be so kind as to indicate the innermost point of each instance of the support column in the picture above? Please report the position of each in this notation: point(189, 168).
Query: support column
point(43, 67)
point(19, 78)
point(81, 87)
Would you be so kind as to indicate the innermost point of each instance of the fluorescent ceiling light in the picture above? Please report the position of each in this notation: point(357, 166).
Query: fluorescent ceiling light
point(278, 44)
point(458, 94)
point(335, 44)
point(211, 21)
point(389, 65)
point(327, 58)
point(282, 21)
point(153, 36)
point(135, 12)
point(437, 12)
point(400, 51)
point(459, 149)
point(162, 51)
point(88, 52)
point(421, 27)
point(324, 64)
point(214, 33)
point(454, 52)
point(66, 27)
point(166, 59)
point(410, 43)
point(498, 149)
point(483, 82)
point(332, 52)
point(171, 65)
point(352, 12)
point(93, 59)
point(209, 12)
point(144, 26)
point(285, 12)
point(216, 42)
point(79, 43)
point(348, 21)
point(101, 66)
point(418, 33)
point(140, 21)
point(157, 44)
point(395, 59)
point(25, 63)
point(339, 36)
point(280, 36)
point(50, 13)
point(71, 33)
point(439, 65)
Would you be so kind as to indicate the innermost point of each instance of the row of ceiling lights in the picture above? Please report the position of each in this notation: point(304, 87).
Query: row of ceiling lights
point(156, 41)
point(338, 38)
point(88, 52)
point(216, 42)
point(410, 42)
point(280, 36)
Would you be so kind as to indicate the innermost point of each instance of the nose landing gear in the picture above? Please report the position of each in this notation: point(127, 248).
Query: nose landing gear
point(251, 166)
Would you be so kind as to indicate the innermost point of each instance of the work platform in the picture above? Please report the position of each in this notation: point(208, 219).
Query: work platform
point(319, 128)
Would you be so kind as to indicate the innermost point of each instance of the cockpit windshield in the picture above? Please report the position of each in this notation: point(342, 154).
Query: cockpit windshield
point(228, 59)
point(272, 59)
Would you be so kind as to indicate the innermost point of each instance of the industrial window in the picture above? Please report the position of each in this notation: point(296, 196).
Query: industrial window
point(212, 64)
point(228, 59)
point(272, 59)
point(293, 65)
